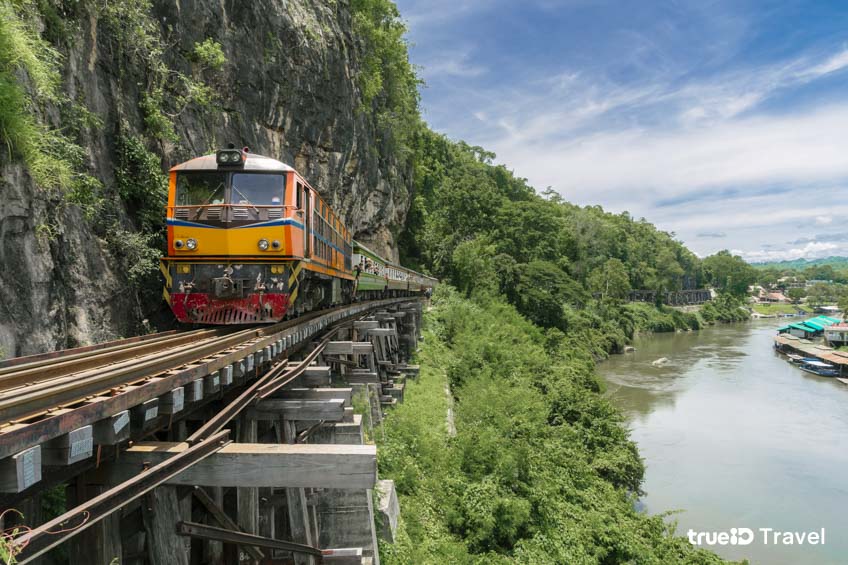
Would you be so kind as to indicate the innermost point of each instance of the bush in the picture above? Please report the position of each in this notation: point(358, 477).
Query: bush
point(541, 469)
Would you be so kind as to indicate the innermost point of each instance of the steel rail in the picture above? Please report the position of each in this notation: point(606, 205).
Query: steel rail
point(56, 368)
point(54, 355)
point(101, 400)
point(275, 379)
point(202, 531)
point(39, 540)
point(17, 404)
point(218, 514)
point(271, 386)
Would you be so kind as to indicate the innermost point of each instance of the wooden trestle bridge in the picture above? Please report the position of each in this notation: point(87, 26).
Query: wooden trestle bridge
point(209, 446)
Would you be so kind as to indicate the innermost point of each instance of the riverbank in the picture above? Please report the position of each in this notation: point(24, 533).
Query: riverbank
point(737, 437)
point(778, 310)
point(540, 469)
point(659, 319)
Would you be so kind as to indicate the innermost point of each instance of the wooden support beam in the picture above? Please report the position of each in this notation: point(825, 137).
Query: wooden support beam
point(144, 414)
point(209, 532)
point(261, 465)
point(160, 510)
point(214, 509)
point(194, 391)
point(246, 495)
point(362, 378)
point(343, 556)
point(21, 471)
point(363, 348)
point(339, 348)
point(330, 410)
point(212, 383)
point(297, 509)
point(172, 402)
point(227, 375)
point(70, 448)
point(315, 394)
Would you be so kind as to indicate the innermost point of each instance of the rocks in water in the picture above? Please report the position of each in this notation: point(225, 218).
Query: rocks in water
point(629, 349)
point(660, 362)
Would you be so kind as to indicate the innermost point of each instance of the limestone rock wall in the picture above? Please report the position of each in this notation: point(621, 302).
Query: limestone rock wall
point(288, 89)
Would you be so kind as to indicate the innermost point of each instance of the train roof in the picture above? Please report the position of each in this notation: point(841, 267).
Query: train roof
point(252, 162)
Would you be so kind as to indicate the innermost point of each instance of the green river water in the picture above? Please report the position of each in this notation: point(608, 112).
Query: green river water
point(734, 436)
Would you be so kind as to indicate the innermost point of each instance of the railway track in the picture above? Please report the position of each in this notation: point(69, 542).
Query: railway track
point(47, 396)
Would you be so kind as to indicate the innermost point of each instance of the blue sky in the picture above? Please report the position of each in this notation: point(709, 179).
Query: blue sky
point(725, 122)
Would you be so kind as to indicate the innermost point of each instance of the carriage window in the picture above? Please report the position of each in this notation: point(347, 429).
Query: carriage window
point(258, 189)
point(299, 193)
point(199, 189)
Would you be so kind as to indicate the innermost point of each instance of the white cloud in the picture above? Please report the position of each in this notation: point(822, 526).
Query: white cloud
point(809, 251)
point(835, 63)
point(675, 163)
point(693, 152)
point(452, 64)
point(420, 15)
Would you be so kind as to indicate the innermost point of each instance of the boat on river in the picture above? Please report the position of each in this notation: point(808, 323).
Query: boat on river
point(819, 368)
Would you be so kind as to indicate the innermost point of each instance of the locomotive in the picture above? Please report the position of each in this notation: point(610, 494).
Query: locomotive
point(251, 241)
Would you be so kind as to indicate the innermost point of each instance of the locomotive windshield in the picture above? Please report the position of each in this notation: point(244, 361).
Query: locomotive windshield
point(202, 188)
point(258, 189)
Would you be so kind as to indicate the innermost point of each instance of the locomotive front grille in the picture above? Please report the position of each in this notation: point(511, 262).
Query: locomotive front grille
point(275, 213)
point(240, 214)
point(213, 213)
point(227, 315)
point(181, 213)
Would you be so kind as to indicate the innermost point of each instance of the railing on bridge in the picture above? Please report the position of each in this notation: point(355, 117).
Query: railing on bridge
point(674, 297)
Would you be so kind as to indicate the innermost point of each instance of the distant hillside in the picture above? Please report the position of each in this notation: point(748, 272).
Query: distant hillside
point(835, 262)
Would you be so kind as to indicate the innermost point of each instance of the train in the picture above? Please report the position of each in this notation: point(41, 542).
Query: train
point(251, 241)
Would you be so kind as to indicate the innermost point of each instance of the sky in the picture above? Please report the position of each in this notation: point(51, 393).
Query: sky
point(723, 121)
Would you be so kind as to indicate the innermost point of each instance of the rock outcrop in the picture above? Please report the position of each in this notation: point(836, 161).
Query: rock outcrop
point(288, 89)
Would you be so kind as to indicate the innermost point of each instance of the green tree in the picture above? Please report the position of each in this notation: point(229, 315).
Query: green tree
point(796, 294)
point(729, 273)
point(842, 304)
point(610, 281)
point(473, 266)
point(543, 290)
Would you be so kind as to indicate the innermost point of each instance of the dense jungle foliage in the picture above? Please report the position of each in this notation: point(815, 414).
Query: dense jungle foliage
point(540, 468)
point(563, 266)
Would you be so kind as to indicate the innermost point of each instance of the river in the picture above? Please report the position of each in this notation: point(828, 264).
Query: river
point(734, 436)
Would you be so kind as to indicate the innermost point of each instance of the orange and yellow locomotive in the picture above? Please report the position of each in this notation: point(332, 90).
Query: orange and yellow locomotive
point(249, 240)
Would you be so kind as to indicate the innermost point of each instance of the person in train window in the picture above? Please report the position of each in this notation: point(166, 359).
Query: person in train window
point(275, 201)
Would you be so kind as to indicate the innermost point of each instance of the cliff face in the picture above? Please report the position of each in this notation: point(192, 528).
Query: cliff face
point(288, 89)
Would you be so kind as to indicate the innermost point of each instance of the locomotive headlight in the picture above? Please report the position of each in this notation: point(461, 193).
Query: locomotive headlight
point(263, 245)
point(229, 157)
point(191, 244)
point(275, 244)
point(178, 243)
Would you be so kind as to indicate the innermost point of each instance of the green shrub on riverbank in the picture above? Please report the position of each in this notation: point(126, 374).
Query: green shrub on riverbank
point(540, 470)
point(651, 318)
point(725, 308)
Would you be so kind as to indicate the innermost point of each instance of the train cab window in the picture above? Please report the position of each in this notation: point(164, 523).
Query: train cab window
point(299, 195)
point(200, 188)
point(258, 189)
